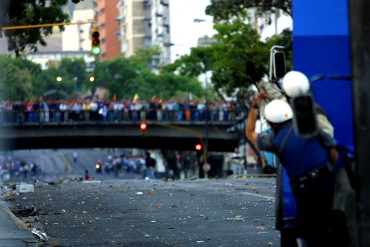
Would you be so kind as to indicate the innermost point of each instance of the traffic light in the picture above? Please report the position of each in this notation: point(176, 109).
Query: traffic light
point(95, 43)
point(91, 79)
point(143, 128)
point(198, 147)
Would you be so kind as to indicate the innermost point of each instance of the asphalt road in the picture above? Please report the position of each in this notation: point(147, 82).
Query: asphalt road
point(225, 212)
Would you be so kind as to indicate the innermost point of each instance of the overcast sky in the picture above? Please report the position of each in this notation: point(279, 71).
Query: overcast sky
point(184, 31)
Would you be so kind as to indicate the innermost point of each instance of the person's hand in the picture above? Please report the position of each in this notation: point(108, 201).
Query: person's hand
point(333, 152)
point(258, 98)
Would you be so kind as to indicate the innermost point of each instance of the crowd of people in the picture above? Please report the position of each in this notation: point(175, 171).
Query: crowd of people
point(116, 164)
point(124, 110)
point(20, 169)
point(146, 164)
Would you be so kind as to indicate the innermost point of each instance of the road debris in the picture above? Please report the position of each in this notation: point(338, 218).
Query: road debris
point(39, 235)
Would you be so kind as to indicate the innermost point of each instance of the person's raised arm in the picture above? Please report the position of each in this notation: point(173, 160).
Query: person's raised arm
point(251, 124)
point(250, 131)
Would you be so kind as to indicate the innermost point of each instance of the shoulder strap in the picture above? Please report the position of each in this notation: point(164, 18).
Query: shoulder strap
point(285, 140)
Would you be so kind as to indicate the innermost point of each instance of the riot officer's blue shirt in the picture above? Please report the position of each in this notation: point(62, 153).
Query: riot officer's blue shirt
point(298, 155)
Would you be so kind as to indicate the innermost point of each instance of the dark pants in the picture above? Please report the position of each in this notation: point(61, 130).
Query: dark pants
point(317, 223)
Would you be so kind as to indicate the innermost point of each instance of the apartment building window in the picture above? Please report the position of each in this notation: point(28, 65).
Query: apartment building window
point(147, 42)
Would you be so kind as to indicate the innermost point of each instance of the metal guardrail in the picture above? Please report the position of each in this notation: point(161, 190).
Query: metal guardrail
point(20, 117)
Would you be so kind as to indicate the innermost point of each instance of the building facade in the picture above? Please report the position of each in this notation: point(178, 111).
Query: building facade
point(144, 24)
point(77, 37)
point(108, 27)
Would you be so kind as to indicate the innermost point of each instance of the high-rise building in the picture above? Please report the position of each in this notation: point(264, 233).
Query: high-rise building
point(131, 19)
point(77, 37)
point(272, 23)
point(108, 27)
point(163, 24)
point(144, 24)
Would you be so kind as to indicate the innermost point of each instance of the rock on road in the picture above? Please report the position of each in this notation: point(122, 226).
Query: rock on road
point(202, 212)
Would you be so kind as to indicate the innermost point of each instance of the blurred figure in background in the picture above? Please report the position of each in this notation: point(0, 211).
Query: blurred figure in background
point(150, 166)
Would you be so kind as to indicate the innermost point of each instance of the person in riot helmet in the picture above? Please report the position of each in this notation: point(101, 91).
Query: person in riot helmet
point(294, 83)
point(310, 165)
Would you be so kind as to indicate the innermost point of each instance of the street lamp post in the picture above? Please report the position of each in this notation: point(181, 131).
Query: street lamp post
point(205, 159)
point(206, 122)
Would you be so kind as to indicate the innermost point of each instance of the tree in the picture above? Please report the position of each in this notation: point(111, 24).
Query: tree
point(225, 9)
point(238, 44)
point(284, 39)
point(125, 77)
point(73, 68)
point(64, 87)
point(200, 60)
point(30, 12)
point(119, 76)
point(237, 57)
point(169, 85)
point(16, 78)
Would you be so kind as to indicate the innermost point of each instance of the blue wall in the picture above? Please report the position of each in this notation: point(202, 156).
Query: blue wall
point(321, 46)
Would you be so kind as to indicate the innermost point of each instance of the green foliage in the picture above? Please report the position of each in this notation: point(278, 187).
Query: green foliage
point(200, 60)
point(72, 68)
point(124, 77)
point(222, 10)
point(119, 76)
point(64, 88)
point(169, 85)
point(22, 79)
point(16, 79)
point(238, 44)
point(30, 12)
point(285, 40)
point(239, 56)
point(144, 56)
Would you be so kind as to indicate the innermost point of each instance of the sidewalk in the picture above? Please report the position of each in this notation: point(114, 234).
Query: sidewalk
point(13, 232)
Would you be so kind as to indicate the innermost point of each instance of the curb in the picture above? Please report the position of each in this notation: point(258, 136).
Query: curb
point(4, 207)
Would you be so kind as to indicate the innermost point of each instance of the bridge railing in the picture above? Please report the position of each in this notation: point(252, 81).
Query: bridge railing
point(59, 116)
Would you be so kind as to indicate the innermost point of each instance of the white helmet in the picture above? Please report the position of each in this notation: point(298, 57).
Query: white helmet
point(295, 84)
point(278, 111)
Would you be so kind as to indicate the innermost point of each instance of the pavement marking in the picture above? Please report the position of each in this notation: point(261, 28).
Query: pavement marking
point(257, 195)
point(67, 165)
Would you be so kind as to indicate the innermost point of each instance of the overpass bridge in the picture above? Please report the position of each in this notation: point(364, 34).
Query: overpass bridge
point(179, 135)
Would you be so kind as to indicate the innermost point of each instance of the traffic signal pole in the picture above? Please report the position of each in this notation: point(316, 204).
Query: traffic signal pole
point(46, 25)
point(193, 132)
